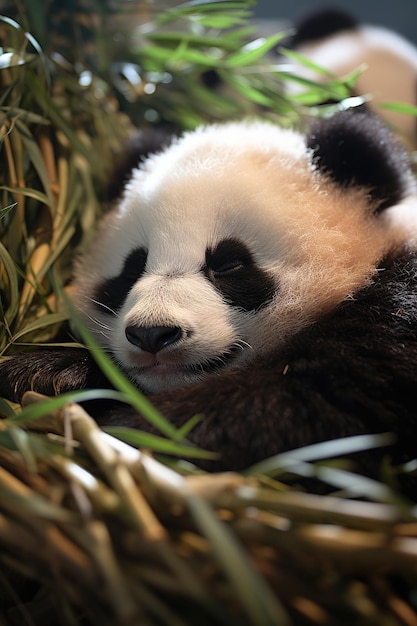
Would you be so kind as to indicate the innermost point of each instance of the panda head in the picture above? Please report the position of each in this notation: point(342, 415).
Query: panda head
point(237, 236)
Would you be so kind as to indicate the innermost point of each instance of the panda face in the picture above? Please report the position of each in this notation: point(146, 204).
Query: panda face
point(221, 248)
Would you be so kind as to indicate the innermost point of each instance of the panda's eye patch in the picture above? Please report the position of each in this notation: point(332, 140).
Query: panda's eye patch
point(232, 270)
point(229, 256)
point(112, 292)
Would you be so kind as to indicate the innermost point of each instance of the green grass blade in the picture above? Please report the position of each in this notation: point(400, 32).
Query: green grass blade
point(5, 409)
point(261, 605)
point(50, 319)
point(36, 157)
point(6, 210)
point(399, 107)
point(42, 408)
point(29, 192)
point(157, 444)
point(254, 51)
point(305, 62)
point(319, 451)
point(13, 286)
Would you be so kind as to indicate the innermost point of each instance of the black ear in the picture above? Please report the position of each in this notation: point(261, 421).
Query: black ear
point(316, 24)
point(355, 148)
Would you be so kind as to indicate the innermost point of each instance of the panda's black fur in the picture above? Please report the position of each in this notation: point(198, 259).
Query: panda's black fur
point(349, 369)
point(320, 23)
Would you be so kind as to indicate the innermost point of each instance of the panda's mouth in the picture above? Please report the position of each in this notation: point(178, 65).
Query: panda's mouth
point(168, 368)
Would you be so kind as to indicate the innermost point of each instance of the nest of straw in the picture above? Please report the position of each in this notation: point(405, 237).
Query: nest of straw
point(93, 531)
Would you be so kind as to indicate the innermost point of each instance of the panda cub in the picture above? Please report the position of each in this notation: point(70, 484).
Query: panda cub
point(261, 278)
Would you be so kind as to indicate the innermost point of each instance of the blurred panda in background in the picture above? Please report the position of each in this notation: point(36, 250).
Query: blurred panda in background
point(336, 41)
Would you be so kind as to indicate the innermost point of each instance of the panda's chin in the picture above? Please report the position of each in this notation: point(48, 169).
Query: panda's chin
point(161, 376)
point(165, 376)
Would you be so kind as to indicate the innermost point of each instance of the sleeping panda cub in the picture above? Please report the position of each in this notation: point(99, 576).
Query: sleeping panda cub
point(261, 278)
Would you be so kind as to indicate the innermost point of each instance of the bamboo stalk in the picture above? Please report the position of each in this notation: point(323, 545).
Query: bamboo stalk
point(85, 430)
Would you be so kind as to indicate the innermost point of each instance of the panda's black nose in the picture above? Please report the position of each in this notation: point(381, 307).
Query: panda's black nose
point(153, 339)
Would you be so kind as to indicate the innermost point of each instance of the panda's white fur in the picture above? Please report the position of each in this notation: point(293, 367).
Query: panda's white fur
point(388, 62)
point(248, 181)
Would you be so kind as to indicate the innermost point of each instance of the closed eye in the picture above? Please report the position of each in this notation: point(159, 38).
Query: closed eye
point(229, 256)
point(229, 268)
point(233, 272)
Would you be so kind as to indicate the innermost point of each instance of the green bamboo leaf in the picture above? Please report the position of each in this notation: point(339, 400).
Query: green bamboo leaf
point(214, 5)
point(32, 148)
point(36, 45)
point(6, 210)
point(317, 92)
point(50, 319)
point(5, 409)
point(186, 428)
point(181, 56)
point(225, 20)
point(241, 35)
point(157, 444)
point(252, 52)
point(351, 79)
point(177, 37)
point(41, 445)
point(11, 112)
point(29, 192)
point(22, 442)
point(243, 86)
point(355, 484)
point(305, 62)
point(195, 7)
point(215, 101)
point(262, 606)
point(138, 438)
point(35, 411)
point(13, 296)
point(312, 97)
point(320, 451)
point(399, 107)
